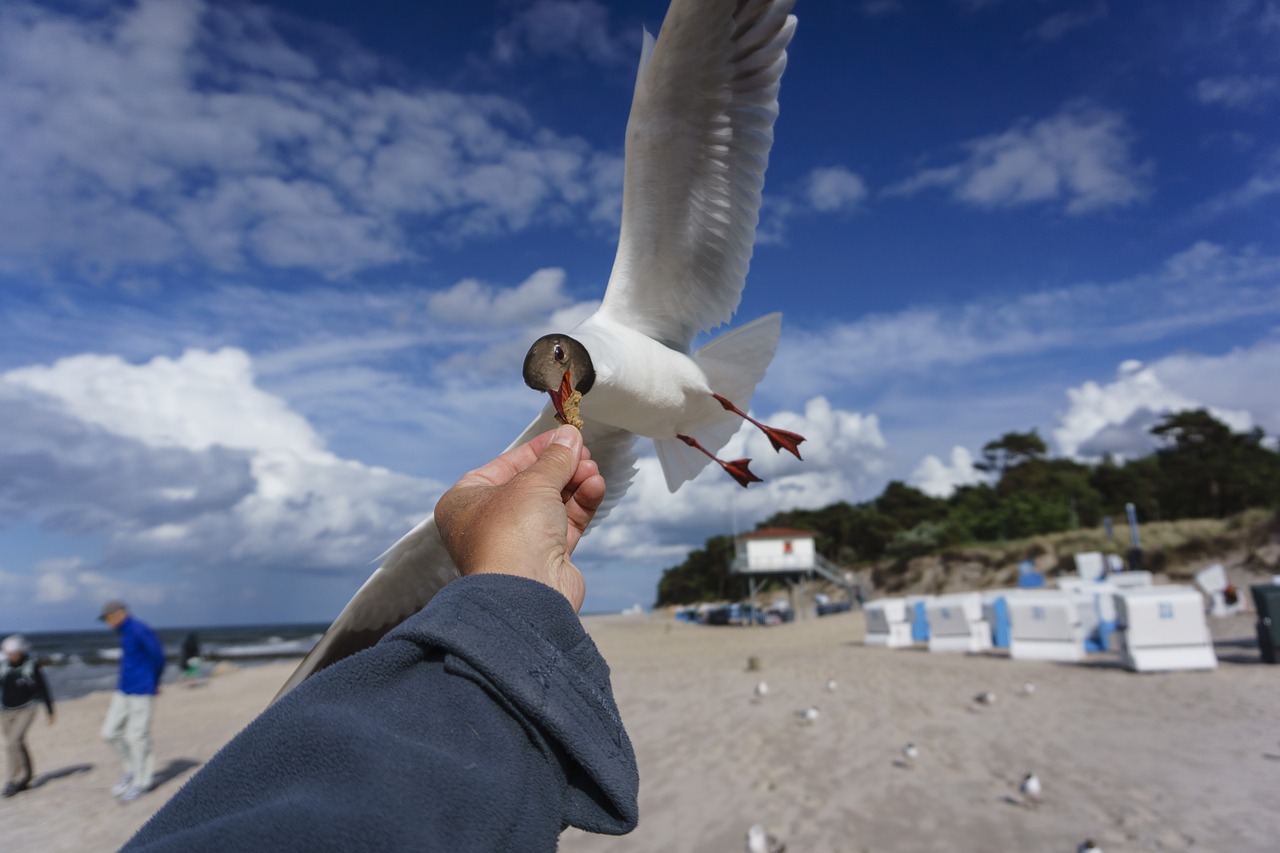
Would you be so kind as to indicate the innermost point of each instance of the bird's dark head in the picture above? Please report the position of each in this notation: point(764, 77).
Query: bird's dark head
point(558, 365)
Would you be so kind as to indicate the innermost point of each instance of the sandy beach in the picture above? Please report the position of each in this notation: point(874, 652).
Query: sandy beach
point(1176, 761)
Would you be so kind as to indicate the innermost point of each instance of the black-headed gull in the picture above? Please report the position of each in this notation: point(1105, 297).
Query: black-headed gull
point(697, 144)
point(698, 139)
point(759, 841)
point(1030, 788)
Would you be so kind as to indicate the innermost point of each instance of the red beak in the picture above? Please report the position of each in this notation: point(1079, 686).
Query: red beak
point(559, 395)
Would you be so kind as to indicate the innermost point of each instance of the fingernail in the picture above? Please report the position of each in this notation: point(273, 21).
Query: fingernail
point(565, 436)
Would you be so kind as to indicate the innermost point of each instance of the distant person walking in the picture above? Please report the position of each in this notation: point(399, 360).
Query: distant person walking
point(23, 686)
point(191, 657)
point(128, 724)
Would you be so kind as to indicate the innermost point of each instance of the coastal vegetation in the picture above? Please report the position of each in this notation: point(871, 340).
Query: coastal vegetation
point(1206, 489)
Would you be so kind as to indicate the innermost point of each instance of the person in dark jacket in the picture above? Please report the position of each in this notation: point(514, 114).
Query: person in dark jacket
point(128, 724)
point(485, 722)
point(22, 688)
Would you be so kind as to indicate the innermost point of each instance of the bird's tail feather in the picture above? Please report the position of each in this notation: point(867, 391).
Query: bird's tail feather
point(734, 364)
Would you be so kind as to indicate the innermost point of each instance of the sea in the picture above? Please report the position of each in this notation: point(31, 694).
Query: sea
point(80, 662)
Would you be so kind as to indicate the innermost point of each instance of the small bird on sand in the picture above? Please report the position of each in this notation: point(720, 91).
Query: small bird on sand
point(697, 146)
point(1028, 688)
point(762, 689)
point(831, 685)
point(986, 697)
point(910, 752)
point(1030, 788)
point(759, 841)
point(808, 715)
point(1087, 846)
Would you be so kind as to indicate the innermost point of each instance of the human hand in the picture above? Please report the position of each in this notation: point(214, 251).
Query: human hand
point(524, 513)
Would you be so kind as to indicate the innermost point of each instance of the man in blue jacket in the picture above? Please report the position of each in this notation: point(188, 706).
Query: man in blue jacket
point(128, 724)
point(485, 722)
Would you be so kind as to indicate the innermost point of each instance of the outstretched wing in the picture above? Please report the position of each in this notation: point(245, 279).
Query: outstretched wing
point(417, 566)
point(697, 145)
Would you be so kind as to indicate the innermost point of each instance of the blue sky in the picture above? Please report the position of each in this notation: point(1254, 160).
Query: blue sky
point(267, 271)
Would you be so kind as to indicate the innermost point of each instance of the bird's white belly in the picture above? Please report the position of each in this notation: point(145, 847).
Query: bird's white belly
point(645, 387)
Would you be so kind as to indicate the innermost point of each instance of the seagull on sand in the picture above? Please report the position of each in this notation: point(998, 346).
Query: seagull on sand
point(1028, 688)
point(1087, 846)
point(808, 715)
point(1030, 788)
point(986, 697)
point(762, 690)
point(910, 752)
point(759, 841)
point(697, 145)
point(831, 685)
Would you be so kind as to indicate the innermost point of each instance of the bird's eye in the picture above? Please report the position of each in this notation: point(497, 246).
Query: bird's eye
point(559, 353)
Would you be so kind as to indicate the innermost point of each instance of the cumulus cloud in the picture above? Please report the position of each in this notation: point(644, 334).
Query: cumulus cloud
point(824, 190)
point(843, 454)
point(1115, 417)
point(186, 460)
point(940, 479)
point(473, 303)
point(835, 188)
point(186, 132)
point(1079, 156)
point(573, 29)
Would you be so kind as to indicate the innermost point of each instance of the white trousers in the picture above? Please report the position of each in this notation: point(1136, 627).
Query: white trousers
point(128, 729)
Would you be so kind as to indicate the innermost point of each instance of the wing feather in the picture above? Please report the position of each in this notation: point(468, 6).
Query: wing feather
point(697, 146)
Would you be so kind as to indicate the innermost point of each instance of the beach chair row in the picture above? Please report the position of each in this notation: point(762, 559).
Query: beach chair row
point(1152, 628)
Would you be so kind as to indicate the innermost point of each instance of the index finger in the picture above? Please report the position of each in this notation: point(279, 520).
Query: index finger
point(502, 469)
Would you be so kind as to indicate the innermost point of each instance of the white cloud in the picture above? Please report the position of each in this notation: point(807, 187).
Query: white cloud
point(567, 29)
point(187, 461)
point(835, 188)
point(1237, 92)
point(1259, 186)
point(1203, 286)
point(1237, 388)
point(825, 190)
point(185, 132)
point(843, 453)
point(1079, 156)
point(473, 303)
point(935, 477)
point(1057, 26)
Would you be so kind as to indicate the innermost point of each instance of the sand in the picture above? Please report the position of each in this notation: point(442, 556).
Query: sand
point(1173, 761)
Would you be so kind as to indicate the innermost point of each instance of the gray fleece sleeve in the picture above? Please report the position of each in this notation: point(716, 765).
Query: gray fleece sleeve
point(485, 722)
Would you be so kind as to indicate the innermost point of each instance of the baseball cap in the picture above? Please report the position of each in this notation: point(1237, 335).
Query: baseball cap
point(111, 607)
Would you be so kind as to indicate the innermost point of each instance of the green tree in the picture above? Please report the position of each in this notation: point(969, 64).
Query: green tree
point(1010, 450)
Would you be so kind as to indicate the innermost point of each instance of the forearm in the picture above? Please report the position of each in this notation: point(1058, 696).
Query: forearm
point(462, 730)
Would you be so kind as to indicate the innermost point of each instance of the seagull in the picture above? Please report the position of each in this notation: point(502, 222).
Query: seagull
point(808, 715)
point(759, 841)
point(831, 685)
point(1030, 789)
point(986, 697)
point(1088, 846)
point(1028, 688)
point(762, 689)
point(697, 145)
point(910, 752)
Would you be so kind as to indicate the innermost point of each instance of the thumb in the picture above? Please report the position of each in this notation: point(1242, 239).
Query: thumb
point(559, 458)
